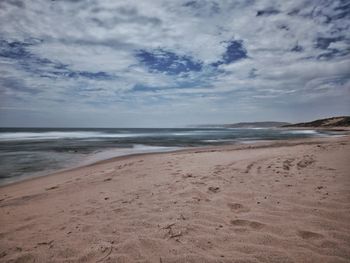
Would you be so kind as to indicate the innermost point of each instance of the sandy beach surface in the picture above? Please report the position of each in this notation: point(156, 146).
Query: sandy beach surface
point(286, 201)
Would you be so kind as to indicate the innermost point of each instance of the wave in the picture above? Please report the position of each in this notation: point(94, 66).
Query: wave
point(54, 135)
point(20, 136)
point(136, 149)
point(219, 140)
point(301, 132)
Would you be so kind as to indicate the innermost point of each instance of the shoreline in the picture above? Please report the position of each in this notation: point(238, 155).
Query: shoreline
point(81, 164)
point(234, 146)
point(108, 153)
point(285, 201)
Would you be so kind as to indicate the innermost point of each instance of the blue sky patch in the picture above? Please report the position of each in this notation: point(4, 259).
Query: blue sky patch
point(324, 42)
point(234, 51)
point(26, 60)
point(297, 48)
point(267, 12)
point(332, 53)
point(14, 50)
point(142, 88)
point(167, 62)
point(82, 74)
point(343, 10)
point(17, 85)
point(203, 8)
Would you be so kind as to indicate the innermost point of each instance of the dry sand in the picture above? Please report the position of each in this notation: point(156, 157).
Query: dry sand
point(279, 202)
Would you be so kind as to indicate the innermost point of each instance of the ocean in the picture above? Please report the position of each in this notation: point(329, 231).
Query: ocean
point(28, 152)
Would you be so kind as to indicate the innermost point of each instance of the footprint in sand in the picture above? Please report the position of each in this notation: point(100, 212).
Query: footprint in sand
point(188, 175)
point(249, 167)
point(309, 235)
point(247, 223)
point(305, 162)
point(259, 170)
point(25, 258)
point(52, 188)
point(214, 189)
point(238, 208)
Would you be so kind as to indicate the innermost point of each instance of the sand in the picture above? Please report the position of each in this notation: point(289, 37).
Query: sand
point(272, 202)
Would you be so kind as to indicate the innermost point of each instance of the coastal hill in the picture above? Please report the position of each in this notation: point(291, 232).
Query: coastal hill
point(333, 122)
point(261, 124)
point(341, 121)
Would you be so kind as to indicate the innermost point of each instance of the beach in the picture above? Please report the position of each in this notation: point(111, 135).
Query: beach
point(282, 201)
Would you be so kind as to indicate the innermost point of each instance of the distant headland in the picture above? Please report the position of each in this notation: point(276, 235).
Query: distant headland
point(333, 122)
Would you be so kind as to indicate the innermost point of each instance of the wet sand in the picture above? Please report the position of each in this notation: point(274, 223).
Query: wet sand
point(286, 201)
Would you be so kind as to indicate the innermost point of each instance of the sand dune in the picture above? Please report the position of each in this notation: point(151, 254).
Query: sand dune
point(276, 202)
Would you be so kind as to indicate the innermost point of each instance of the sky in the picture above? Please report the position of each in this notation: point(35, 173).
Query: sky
point(160, 63)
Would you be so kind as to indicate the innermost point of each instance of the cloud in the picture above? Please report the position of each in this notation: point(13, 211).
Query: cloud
point(217, 60)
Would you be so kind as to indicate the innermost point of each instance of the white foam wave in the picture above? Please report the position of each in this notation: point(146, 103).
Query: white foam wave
point(301, 132)
point(20, 136)
point(136, 149)
point(219, 140)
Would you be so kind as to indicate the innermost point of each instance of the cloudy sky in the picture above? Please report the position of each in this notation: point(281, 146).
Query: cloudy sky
point(160, 63)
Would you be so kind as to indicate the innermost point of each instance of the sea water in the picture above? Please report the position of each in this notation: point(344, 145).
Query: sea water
point(37, 151)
